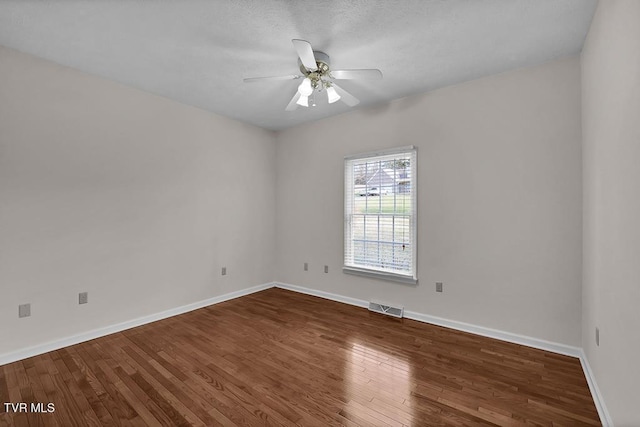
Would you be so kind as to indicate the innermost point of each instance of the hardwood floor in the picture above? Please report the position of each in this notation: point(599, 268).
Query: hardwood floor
point(282, 358)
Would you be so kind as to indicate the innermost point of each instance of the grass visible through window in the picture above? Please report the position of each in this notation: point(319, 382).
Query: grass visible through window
point(384, 204)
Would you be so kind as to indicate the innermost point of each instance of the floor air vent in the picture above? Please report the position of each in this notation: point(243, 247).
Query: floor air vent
point(386, 309)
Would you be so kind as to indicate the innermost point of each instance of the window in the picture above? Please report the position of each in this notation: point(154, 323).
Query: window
point(380, 215)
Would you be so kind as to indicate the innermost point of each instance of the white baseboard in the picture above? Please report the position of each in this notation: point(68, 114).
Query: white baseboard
point(453, 324)
point(553, 347)
point(605, 417)
point(107, 330)
point(322, 294)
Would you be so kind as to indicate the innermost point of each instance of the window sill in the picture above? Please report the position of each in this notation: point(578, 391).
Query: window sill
point(380, 275)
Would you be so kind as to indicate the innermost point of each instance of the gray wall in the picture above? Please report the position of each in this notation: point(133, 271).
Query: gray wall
point(499, 200)
point(134, 198)
point(611, 135)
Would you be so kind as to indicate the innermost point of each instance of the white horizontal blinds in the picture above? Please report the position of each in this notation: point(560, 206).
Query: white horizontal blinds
point(380, 213)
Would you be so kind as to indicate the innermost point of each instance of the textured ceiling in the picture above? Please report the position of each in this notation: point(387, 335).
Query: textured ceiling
point(198, 51)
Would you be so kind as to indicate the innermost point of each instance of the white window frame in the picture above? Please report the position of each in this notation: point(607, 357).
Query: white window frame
point(350, 266)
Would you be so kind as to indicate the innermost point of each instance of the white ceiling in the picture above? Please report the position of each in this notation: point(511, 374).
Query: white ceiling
point(198, 51)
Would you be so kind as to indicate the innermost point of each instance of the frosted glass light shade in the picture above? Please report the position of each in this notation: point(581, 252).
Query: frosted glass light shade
point(332, 95)
point(305, 88)
point(303, 101)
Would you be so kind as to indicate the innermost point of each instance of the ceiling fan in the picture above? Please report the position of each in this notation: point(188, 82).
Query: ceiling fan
point(319, 77)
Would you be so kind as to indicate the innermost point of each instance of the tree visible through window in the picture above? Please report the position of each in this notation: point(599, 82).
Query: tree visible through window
point(380, 214)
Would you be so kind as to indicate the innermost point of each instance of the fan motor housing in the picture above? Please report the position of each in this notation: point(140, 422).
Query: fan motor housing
point(322, 61)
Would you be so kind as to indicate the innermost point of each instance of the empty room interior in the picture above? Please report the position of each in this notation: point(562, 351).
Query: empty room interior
point(320, 213)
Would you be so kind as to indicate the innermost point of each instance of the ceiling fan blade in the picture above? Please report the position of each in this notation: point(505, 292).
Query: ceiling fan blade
point(356, 74)
point(345, 96)
point(305, 52)
point(261, 79)
point(292, 104)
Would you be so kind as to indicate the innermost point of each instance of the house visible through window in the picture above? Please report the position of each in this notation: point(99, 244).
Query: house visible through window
point(380, 214)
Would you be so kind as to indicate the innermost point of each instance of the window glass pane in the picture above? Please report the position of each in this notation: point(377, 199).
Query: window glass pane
point(401, 229)
point(371, 227)
point(358, 252)
point(357, 227)
point(386, 228)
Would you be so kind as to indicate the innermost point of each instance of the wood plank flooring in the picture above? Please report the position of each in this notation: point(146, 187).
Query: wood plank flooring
point(282, 358)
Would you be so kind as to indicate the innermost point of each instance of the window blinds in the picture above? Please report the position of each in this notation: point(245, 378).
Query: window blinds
point(380, 213)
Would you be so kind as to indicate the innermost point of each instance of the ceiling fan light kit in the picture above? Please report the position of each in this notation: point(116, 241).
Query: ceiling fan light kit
point(318, 76)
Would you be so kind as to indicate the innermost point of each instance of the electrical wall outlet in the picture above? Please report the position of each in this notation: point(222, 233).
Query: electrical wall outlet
point(326, 268)
point(438, 286)
point(598, 336)
point(306, 266)
point(24, 310)
point(83, 297)
point(224, 271)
